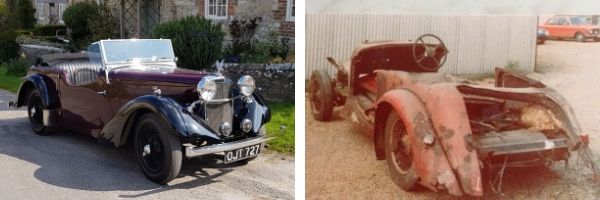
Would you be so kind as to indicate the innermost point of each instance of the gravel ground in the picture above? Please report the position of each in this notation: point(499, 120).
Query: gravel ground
point(72, 166)
point(341, 164)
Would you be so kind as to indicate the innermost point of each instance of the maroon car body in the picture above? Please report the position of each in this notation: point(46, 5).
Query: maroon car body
point(148, 101)
point(439, 131)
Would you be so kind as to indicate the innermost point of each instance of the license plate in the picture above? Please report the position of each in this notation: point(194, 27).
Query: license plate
point(242, 153)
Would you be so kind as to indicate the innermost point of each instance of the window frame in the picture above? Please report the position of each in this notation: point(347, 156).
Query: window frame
point(39, 11)
point(60, 13)
point(207, 8)
point(289, 8)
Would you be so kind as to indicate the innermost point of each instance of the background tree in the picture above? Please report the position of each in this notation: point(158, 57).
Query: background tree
point(25, 13)
point(76, 17)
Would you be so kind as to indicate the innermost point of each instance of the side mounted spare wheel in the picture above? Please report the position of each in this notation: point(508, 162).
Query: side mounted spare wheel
point(35, 108)
point(398, 153)
point(157, 149)
point(321, 95)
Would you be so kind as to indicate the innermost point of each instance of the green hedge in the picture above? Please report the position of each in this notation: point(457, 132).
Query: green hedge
point(48, 30)
point(9, 48)
point(196, 41)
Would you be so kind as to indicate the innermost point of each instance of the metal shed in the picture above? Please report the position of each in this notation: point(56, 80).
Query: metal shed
point(477, 44)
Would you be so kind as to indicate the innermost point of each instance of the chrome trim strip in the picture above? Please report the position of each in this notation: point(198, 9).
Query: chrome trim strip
point(191, 152)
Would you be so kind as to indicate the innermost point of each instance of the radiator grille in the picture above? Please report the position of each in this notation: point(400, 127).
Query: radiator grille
point(220, 112)
point(222, 89)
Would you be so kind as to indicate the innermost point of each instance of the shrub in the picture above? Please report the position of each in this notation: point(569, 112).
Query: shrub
point(272, 48)
point(196, 40)
point(25, 13)
point(47, 30)
point(103, 25)
point(257, 53)
point(10, 48)
point(15, 67)
point(242, 34)
point(76, 17)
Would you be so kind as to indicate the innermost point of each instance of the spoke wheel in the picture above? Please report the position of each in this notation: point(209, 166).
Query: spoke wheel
point(399, 153)
point(158, 150)
point(320, 94)
point(152, 148)
point(429, 56)
point(35, 107)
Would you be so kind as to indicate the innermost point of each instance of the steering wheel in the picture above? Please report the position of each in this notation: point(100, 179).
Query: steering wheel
point(429, 55)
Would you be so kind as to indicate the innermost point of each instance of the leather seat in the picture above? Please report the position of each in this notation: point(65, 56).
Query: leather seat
point(80, 73)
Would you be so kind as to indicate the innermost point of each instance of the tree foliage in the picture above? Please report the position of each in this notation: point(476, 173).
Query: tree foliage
point(25, 13)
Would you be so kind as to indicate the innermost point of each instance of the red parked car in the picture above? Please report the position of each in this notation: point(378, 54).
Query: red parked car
point(579, 28)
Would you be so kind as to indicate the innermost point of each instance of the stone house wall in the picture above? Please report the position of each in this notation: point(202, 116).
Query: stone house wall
point(275, 82)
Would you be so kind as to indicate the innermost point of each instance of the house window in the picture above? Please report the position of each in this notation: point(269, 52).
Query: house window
point(291, 10)
point(216, 9)
point(61, 9)
point(40, 11)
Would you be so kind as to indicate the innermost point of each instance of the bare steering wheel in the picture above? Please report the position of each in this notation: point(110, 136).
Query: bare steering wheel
point(429, 55)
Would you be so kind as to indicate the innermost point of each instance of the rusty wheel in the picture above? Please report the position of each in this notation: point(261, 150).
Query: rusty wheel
point(320, 94)
point(429, 55)
point(398, 153)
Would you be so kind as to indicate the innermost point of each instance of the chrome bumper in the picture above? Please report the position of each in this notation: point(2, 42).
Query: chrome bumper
point(191, 152)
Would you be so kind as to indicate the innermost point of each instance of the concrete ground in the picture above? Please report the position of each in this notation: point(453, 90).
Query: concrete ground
point(341, 164)
point(68, 165)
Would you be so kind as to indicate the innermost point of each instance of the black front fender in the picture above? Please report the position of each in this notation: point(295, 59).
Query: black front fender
point(117, 129)
point(257, 111)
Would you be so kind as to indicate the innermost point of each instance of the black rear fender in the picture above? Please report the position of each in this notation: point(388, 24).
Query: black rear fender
point(44, 85)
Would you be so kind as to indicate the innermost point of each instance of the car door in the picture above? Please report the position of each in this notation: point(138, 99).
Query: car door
point(551, 27)
point(564, 28)
point(85, 98)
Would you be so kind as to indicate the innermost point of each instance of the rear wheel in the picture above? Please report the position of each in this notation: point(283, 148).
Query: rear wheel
point(158, 150)
point(398, 153)
point(580, 37)
point(35, 107)
point(321, 95)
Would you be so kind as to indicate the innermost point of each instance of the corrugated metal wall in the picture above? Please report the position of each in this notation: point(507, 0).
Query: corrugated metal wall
point(477, 44)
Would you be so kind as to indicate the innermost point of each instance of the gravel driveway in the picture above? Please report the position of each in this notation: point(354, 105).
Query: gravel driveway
point(340, 162)
point(72, 166)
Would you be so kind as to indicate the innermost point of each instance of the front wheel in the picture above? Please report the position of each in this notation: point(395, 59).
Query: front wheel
point(321, 95)
point(157, 149)
point(398, 153)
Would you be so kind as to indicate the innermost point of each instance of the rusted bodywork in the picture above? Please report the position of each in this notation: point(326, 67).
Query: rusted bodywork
point(453, 128)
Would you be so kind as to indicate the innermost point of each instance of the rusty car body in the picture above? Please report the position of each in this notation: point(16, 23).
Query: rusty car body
point(438, 131)
point(131, 91)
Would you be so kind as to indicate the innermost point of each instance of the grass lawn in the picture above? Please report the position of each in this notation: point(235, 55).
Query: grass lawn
point(9, 82)
point(282, 114)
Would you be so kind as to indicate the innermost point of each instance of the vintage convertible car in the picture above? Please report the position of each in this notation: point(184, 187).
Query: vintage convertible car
point(131, 90)
point(438, 131)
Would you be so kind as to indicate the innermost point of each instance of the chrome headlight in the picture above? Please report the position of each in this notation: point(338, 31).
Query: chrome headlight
point(246, 85)
point(207, 88)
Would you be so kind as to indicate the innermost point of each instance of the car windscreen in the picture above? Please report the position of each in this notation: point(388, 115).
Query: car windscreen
point(116, 51)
